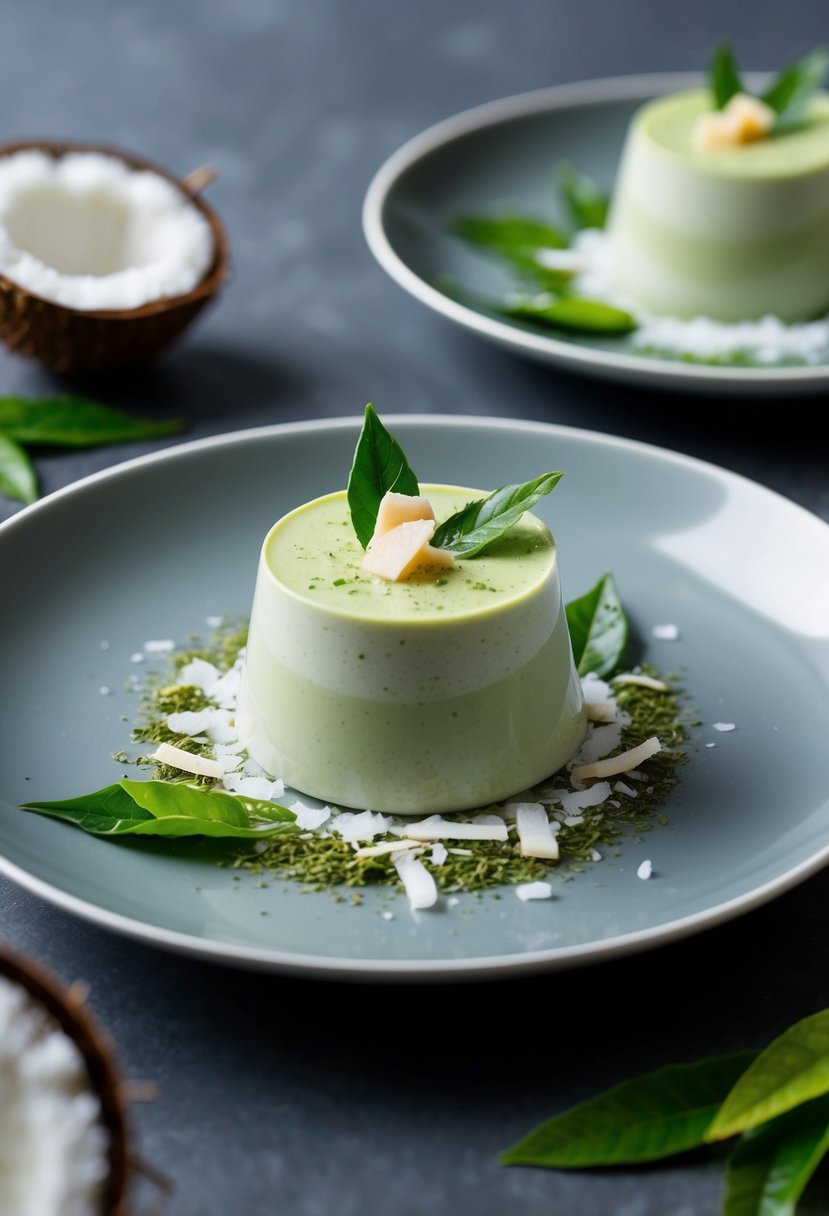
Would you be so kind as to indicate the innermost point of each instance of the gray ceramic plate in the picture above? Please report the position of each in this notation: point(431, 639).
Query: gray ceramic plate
point(149, 549)
point(503, 154)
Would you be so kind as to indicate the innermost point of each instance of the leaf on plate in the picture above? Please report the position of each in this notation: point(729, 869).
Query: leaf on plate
point(571, 313)
point(770, 1166)
point(483, 521)
point(791, 1070)
point(76, 422)
point(379, 465)
point(723, 77)
point(17, 475)
point(598, 628)
point(794, 87)
point(168, 808)
point(508, 235)
point(652, 1117)
point(586, 204)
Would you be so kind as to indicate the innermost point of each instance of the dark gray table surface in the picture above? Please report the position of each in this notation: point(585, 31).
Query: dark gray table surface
point(297, 1097)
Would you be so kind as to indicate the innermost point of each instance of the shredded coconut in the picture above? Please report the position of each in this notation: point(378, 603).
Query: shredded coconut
point(724, 726)
point(645, 870)
point(665, 633)
point(534, 890)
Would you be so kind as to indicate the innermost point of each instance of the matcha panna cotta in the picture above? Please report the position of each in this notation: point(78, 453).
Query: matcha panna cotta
point(446, 686)
point(719, 214)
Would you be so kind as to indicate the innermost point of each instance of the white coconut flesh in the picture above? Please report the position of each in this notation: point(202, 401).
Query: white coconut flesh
point(88, 232)
point(53, 1146)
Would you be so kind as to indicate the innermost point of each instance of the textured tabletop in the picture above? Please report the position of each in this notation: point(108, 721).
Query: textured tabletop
point(298, 1097)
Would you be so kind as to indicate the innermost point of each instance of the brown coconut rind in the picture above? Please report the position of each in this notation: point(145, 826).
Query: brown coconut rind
point(71, 340)
point(66, 1005)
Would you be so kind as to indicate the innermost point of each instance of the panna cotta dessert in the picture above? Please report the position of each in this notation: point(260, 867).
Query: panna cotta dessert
point(406, 678)
point(723, 213)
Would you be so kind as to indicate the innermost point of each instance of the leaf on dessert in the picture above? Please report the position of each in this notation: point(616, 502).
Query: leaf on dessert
point(598, 628)
point(483, 521)
point(792, 89)
point(646, 1119)
point(770, 1167)
point(586, 204)
point(379, 465)
point(723, 78)
point(17, 475)
point(168, 808)
point(76, 422)
point(571, 313)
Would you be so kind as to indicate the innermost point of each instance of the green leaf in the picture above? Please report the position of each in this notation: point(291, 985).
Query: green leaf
point(793, 1069)
point(75, 422)
point(480, 523)
point(586, 203)
point(723, 77)
point(571, 313)
point(654, 1116)
point(379, 465)
point(770, 1167)
point(598, 628)
point(792, 89)
point(17, 476)
point(168, 808)
point(508, 235)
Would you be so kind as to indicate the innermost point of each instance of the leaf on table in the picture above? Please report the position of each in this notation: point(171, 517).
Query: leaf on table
point(723, 78)
point(483, 521)
point(379, 465)
point(794, 87)
point(17, 475)
point(598, 628)
point(652, 1117)
point(76, 422)
point(571, 313)
point(791, 1070)
point(168, 808)
point(586, 204)
point(770, 1166)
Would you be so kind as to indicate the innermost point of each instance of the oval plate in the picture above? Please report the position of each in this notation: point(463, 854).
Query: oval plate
point(503, 154)
point(151, 548)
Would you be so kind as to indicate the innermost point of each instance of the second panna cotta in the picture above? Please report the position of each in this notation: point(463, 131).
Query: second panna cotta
point(440, 683)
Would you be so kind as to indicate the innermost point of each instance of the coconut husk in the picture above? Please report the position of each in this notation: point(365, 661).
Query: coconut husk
point(71, 340)
point(67, 1007)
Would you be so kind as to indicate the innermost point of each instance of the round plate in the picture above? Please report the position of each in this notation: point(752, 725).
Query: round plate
point(503, 154)
point(151, 548)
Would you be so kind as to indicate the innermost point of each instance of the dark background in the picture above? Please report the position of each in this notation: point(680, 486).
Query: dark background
point(296, 1097)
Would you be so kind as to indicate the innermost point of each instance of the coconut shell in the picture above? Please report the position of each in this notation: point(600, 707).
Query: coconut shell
point(66, 1005)
point(74, 340)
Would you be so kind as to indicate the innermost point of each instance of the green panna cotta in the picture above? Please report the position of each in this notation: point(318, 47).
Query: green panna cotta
point(449, 690)
point(735, 233)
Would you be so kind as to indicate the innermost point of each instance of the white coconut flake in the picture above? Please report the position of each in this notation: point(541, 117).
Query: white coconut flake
point(438, 854)
point(710, 745)
point(534, 831)
point(200, 674)
point(614, 765)
point(534, 890)
point(438, 828)
point(579, 800)
point(641, 680)
point(665, 633)
point(386, 915)
point(384, 847)
point(176, 757)
point(724, 726)
point(138, 657)
point(622, 788)
point(309, 818)
point(418, 883)
point(645, 870)
point(129, 237)
point(595, 855)
point(159, 646)
point(359, 825)
point(213, 622)
point(260, 788)
point(104, 645)
point(190, 721)
point(53, 1145)
point(599, 742)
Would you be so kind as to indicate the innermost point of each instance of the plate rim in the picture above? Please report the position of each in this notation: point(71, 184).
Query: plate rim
point(622, 365)
point(413, 970)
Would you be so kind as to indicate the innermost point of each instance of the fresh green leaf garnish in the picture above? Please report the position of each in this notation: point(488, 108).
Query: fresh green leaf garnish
point(508, 235)
point(17, 476)
point(75, 422)
point(793, 1069)
point(586, 204)
point(379, 465)
point(655, 1116)
point(571, 313)
point(480, 523)
point(770, 1167)
point(723, 78)
point(792, 89)
point(168, 808)
point(598, 628)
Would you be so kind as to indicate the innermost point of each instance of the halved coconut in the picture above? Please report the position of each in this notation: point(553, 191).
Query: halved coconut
point(58, 1073)
point(105, 258)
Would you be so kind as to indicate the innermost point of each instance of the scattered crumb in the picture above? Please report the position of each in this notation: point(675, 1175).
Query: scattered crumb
point(138, 657)
point(645, 870)
point(104, 645)
point(159, 646)
point(534, 890)
point(103, 690)
point(724, 726)
point(665, 633)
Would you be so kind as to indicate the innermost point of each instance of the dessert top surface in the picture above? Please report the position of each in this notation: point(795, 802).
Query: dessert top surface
point(669, 122)
point(314, 552)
